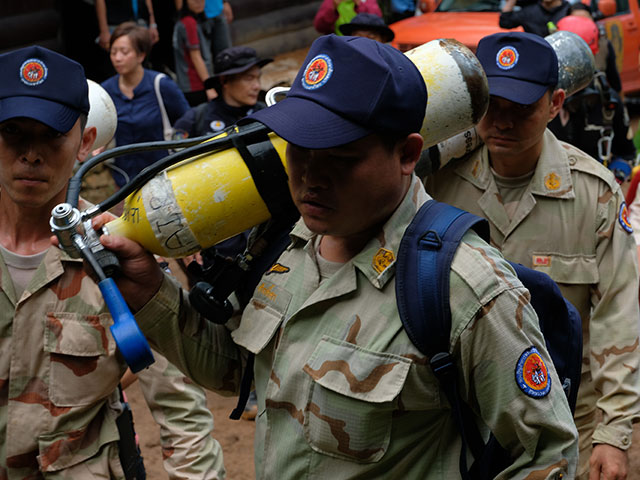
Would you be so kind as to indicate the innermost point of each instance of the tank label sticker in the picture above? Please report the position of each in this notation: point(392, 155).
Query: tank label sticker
point(623, 218)
point(382, 260)
point(33, 72)
point(166, 219)
point(317, 72)
point(507, 57)
point(532, 376)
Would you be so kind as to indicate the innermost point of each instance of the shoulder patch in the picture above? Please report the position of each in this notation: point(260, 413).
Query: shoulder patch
point(623, 218)
point(532, 376)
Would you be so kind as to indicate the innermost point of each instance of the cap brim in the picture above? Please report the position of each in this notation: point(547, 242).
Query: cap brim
point(515, 90)
point(244, 68)
point(308, 124)
point(385, 32)
point(55, 115)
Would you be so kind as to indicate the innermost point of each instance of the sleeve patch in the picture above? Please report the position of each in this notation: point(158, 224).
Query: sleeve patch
point(623, 218)
point(532, 376)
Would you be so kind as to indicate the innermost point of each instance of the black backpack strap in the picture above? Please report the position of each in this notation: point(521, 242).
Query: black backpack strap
point(422, 289)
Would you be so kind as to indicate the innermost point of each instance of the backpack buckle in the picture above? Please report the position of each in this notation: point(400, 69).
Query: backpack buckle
point(431, 240)
point(442, 365)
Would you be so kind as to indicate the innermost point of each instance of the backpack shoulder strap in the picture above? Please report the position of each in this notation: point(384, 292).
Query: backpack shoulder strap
point(423, 270)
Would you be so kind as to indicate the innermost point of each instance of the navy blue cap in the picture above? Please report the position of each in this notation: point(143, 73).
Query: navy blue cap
point(43, 85)
point(520, 66)
point(348, 88)
point(368, 21)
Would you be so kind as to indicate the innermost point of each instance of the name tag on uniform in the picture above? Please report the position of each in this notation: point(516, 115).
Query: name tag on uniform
point(541, 261)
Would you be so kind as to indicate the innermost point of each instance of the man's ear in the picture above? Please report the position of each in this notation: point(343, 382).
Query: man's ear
point(88, 138)
point(557, 100)
point(410, 149)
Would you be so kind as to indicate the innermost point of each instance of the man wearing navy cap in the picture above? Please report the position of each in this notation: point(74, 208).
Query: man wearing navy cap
point(342, 391)
point(59, 366)
point(553, 208)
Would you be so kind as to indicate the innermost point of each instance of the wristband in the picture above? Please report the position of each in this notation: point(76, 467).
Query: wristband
point(153, 25)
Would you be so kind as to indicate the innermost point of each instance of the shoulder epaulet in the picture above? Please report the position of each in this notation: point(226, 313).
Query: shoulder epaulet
point(470, 265)
point(583, 162)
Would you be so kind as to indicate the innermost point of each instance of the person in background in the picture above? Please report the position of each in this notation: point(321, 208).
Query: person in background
point(333, 13)
point(134, 95)
point(60, 369)
point(605, 54)
point(237, 79)
point(368, 25)
point(111, 13)
point(218, 15)
point(192, 53)
point(555, 209)
point(535, 17)
point(595, 119)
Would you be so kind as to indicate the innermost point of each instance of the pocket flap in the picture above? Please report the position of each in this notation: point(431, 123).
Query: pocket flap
point(260, 321)
point(78, 335)
point(357, 373)
point(62, 450)
point(570, 269)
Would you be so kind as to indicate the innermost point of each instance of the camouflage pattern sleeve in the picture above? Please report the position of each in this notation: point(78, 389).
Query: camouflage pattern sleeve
point(497, 347)
point(201, 349)
point(180, 408)
point(613, 330)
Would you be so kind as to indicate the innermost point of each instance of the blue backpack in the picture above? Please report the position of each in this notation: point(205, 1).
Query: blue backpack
point(422, 290)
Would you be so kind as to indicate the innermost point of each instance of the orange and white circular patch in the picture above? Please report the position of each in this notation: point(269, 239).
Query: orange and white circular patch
point(507, 58)
point(33, 72)
point(532, 375)
point(317, 72)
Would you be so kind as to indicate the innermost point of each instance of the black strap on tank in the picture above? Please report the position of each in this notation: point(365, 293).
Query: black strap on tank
point(265, 166)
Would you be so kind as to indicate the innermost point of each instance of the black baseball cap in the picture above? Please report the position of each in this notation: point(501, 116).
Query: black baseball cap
point(368, 21)
point(349, 87)
point(43, 85)
point(234, 60)
point(520, 66)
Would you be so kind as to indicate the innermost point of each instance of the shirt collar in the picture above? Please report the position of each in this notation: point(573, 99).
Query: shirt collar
point(552, 177)
point(377, 259)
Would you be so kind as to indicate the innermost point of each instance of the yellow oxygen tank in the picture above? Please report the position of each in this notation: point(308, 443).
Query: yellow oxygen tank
point(201, 201)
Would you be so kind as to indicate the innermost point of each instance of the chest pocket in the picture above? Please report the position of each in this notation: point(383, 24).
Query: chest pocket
point(569, 269)
point(83, 366)
point(351, 399)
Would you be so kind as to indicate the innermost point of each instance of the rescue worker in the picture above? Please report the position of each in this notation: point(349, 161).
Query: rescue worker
point(342, 391)
point(59, 366)
point(553, 208)
point(237, 80)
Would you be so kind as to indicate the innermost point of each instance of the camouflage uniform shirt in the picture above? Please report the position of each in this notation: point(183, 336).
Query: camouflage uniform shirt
point(342, 391)
point(571, 223)
point(59, 369)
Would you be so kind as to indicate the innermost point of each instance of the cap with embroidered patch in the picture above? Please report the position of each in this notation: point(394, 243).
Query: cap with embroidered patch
point(520, 66)
point(348, 87)
point(43, 85)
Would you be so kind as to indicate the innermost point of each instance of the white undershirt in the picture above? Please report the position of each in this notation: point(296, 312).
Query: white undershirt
point(325, 267)
point(21, 268)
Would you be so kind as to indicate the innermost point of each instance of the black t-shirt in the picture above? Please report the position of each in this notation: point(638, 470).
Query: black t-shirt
point(534, 18)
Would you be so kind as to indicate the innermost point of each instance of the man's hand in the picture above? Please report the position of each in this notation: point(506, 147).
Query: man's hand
point(608, 463)
point(141, 276)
